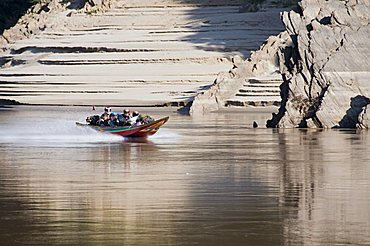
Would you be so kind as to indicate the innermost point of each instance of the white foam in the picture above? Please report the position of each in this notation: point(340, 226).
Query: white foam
point(65, 133)
point(165, 135)
point(52, 132)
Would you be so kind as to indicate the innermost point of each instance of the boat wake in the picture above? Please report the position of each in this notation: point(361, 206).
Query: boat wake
point(60, 133)
point(53, 133)
point(165, 135)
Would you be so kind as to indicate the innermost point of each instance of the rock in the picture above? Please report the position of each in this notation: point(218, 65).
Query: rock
point(97, 6)
point(37, 18)
point(214, 98)
point(327, 69)
point(95, 2)
point(32, 22)
point(3, 43)
point(364, 118)
point(356, 115)
point(255, 125)
point(323, 59)
point(264, 62)
point(237, 60)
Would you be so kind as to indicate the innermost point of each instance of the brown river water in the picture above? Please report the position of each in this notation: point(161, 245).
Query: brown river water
point(203, 181)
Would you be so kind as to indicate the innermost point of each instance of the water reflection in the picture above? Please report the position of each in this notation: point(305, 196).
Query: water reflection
point(322, 187)
point(211, 181)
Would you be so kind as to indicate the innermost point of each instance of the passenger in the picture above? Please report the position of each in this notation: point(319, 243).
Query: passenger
point(124, 117)
point(104, 115)
point(126, 114)
point(107, 110)
point(121, 118)
point(145, 119)
point(93, 120)
point(113, 120)
point(104, 120)
point(134, 119)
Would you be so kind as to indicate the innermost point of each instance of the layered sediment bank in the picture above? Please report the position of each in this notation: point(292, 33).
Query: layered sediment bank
point(137, 52)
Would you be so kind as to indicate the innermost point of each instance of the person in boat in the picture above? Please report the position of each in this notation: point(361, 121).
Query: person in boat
point(145, 119)
point(104, 120)
point(124, 118)
point(107, 111)
point(126, 114)
point(134, 120)
point(93, 120)
point(113, 120)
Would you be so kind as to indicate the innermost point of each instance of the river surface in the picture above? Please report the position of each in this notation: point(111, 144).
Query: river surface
point(205, 181)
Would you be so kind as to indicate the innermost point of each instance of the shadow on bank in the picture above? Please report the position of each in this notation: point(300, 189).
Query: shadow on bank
point(351, 120)
point(234, 27)
point(12, 10)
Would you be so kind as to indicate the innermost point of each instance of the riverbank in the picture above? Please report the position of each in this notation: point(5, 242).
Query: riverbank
point(138, 53)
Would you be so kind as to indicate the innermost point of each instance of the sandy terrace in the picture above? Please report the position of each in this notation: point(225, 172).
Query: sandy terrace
point(138, 53)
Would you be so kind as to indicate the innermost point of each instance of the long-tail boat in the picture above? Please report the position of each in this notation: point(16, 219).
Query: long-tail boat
point(141, 131)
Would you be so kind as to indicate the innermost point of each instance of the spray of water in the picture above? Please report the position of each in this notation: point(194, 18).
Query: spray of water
point(52, 133)
point(165, 135)
point(64, 133)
